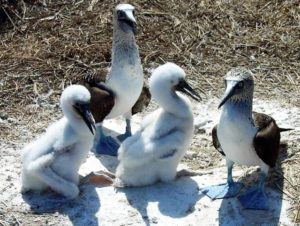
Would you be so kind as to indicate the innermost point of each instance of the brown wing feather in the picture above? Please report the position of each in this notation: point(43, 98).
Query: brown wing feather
point(142, 102)
point(215, 140)
point(267, 140)
point(102, 100)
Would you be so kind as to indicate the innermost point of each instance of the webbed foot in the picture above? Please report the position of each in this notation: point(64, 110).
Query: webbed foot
point(221, 191)
point(124, 136)
point(107, 146)
point(254, 198)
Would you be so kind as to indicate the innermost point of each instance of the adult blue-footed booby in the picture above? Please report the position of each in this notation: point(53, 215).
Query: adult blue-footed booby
point(244, 137)
point(53, 159)
point(124, 85)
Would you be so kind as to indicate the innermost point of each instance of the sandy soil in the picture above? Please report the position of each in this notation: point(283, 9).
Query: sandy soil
point(47, 45)
point(177, 203)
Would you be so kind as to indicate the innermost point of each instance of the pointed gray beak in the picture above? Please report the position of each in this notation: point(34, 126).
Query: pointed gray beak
point(184, 87)
point(230, 90)
point(127, 21)
point(84, 111)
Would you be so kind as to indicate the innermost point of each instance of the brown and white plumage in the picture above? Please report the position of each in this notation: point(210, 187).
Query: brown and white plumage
point(244, 137)
point(263, 142)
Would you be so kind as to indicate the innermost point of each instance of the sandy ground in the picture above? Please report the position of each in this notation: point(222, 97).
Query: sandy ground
point(177, 203)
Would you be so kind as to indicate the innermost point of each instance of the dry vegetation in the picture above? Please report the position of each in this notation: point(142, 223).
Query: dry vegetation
point(48, 44)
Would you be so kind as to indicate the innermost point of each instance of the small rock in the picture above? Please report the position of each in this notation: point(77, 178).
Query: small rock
point(12, 120)
point(154, 220)
point(200, 131)
point(8, 178)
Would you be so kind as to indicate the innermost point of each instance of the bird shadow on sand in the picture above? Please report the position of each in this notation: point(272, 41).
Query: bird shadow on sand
point(232, 213)
point(80, 211)
point(176, 199)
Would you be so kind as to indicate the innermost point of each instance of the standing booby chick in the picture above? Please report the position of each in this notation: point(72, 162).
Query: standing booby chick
point(54, 159)
point(124, 85)
point(153, 153)
point(244, 137)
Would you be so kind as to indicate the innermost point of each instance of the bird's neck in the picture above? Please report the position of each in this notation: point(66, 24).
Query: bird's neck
point(174, 103)
point(242, 108)
point(78, 125)
point(124, 49)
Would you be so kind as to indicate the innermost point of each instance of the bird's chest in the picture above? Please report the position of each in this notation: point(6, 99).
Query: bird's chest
point(127, 83)
point(68, 162)
point(236, 133)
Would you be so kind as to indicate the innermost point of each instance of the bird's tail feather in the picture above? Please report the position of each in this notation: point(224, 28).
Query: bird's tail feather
point(285, 129)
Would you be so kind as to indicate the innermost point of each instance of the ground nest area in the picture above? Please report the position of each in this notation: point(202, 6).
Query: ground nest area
point(46, 45)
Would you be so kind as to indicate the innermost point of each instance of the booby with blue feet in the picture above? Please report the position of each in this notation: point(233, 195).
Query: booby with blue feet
point(152, 154)
point(124, 85)
point(244, 137)
point(53, 160)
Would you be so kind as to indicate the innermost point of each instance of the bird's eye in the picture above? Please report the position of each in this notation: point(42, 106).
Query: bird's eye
point(133, 12)
point(121, 14)
point(240, 84)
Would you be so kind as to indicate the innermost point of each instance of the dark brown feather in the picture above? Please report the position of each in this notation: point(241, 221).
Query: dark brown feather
point(102, 100)
point(215, 140)
point(267, 140)
point(142, 102)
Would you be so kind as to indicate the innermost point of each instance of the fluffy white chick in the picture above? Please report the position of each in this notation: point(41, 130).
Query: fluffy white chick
point(53, 160)
point(152, 154)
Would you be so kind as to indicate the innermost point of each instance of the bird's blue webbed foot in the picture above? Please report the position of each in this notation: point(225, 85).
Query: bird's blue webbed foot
point(124, 136)
point(254, 198)
point(106, 145)
point(221, 191)
point(227, 190)
point(127, 134)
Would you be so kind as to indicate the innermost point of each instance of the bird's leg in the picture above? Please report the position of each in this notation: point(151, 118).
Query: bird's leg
point(100, 177)
point(227, 190)
point(255, 197)
point(41, 168)
point(127, 133)
point(105, 145)
point(191, 173)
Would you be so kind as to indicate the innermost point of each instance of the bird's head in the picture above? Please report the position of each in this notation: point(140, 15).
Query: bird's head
point(75, 103)
point(124, 18)
point(239, 84)
point(171, 77)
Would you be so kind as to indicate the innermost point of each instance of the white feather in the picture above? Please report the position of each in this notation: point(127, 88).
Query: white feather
point(168, 130)
point(53, 160)
point(126, 76)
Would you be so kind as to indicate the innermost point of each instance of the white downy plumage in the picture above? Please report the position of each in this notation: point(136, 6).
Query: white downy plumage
point(153, 153)
point(53, 160)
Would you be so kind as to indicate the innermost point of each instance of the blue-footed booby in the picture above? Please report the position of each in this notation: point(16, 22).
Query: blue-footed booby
point(244, 137)
point(124, 85)
point(53, 160)
point(153, 153)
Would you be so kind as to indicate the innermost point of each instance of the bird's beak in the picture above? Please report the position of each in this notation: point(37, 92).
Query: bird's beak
point(84, 111)
point(131, 19)
point(128, 22)
point(184, 87)
point(229, 92)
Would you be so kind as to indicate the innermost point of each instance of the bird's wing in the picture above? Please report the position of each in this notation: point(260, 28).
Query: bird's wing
point(267, 140)
point(142, 150)
point(142, 102)
point(215, 140)
point(58, 138)
point(102, 100)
